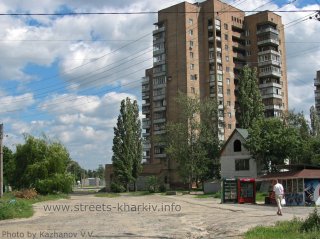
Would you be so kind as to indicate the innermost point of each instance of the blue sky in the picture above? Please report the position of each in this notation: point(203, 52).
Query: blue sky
point(65, 76)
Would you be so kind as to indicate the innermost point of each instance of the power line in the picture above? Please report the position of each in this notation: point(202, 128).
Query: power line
point(147, 12)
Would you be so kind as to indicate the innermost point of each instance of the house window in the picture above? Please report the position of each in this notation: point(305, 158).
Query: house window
point(242, 164)
point(237, 146)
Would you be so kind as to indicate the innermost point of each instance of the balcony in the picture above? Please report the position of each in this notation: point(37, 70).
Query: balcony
point(317, 95)
point(160, 120)
point(159, 97)
point(210, 27)
point(145, 110)
point(271, 95)
point(239, 56)
point(163, 155)
point(157, 63)
point(158, 132)
point(158, 51)
point(157, 109)
point(146, 146)
point(160, 29)
point(271, 84)
point(158, 40)
point(145, 80)
point(210, 38)
point(269, 52)
point(145, 88)
point(218, 38)
point(145, 134)
point(273, 107)
point(145, 95)
point(212, 95)
point(269, 41)
point(238, 45)
point(268, 29)
point(271, 62)
point(317, 82)
point(272, 72)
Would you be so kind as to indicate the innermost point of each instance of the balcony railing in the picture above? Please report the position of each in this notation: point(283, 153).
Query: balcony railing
point(271, 95)
point(271, 62)
point(160, 29)
point(271, 84)
point(269, 52)
point(268, 29)
point(269, 41)
point(270, 73)
point(316, 82)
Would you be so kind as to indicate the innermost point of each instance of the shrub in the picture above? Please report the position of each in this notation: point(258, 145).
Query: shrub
point(26, 193)
point(152, 183)
point(58, 183)
point(162, 188)
point(312, 222)
point(117, 188)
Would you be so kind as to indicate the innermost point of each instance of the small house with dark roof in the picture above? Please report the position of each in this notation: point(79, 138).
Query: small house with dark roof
point(235, 159)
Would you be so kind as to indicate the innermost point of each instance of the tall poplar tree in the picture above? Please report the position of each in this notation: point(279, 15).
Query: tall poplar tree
point(127, 144)
point(250, 106)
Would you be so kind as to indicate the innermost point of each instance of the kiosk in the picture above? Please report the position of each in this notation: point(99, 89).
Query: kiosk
point(229, 190)
point(246, 190)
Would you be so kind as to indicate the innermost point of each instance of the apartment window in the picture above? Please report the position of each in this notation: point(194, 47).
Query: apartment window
point(193, 90)
point(228, 103)
point(226, 47)
point(248, 53)
point(193, 77)
point(225, 25)
point(227, 69)
point(229, 114)
point(220, 78)
point(227, 58)
point(190, 32)
point(228, 91)
point(248, 42)
point(242, 164)
point(211, 54)
point(247, 33)
point(190, 21)
point(191, 66)
point(190, 44)
point(191, 55)
point(228, 81)
point(226, 37)
point(229, 126)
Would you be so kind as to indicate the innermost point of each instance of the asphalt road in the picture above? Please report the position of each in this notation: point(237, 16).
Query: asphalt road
point(151, 216)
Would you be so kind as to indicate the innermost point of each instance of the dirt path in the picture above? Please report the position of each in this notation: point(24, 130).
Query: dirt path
point(143, 217)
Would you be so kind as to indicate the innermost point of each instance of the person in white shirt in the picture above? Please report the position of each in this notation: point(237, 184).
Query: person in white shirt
point(279, 192)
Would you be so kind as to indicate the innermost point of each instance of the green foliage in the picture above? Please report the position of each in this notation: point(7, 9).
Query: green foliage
point(271, 142)
point(312, 223)
point(152, 183)
point(8, 166)
point(75, 169)
point(39, 162)
point(55, 184)
point(296, 228)
point(193, 141)
point(15, 209)
point(162, 188)
point(250, 105)
point(117, 188)
point(315, 122)
point(127, 144)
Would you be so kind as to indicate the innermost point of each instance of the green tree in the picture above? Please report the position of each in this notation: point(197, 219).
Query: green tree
point(8, 166)
point(271, 142)
point(75, 169)
point(42, 163)
point(250, 106)
point(193, 141)
point(127, 144)
point(315, 122)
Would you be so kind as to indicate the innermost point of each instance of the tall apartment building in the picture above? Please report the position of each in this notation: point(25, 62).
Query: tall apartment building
point(199, 49)
point(317, 92)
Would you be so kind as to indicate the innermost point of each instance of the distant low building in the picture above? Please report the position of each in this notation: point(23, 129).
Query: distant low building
point(235, 159)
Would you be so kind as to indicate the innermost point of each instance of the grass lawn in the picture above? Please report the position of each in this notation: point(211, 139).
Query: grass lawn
point(282, 230)
point(261, 196)
point(12, 207)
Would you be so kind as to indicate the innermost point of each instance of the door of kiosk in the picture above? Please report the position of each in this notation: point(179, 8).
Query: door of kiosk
point(246, 190)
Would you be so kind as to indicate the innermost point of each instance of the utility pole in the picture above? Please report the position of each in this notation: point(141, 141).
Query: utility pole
point(1, 161)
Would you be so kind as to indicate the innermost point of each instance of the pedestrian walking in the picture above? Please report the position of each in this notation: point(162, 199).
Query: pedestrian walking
point(279, 194)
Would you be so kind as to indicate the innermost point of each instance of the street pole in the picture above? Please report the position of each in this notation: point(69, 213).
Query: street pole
point(1, 161)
